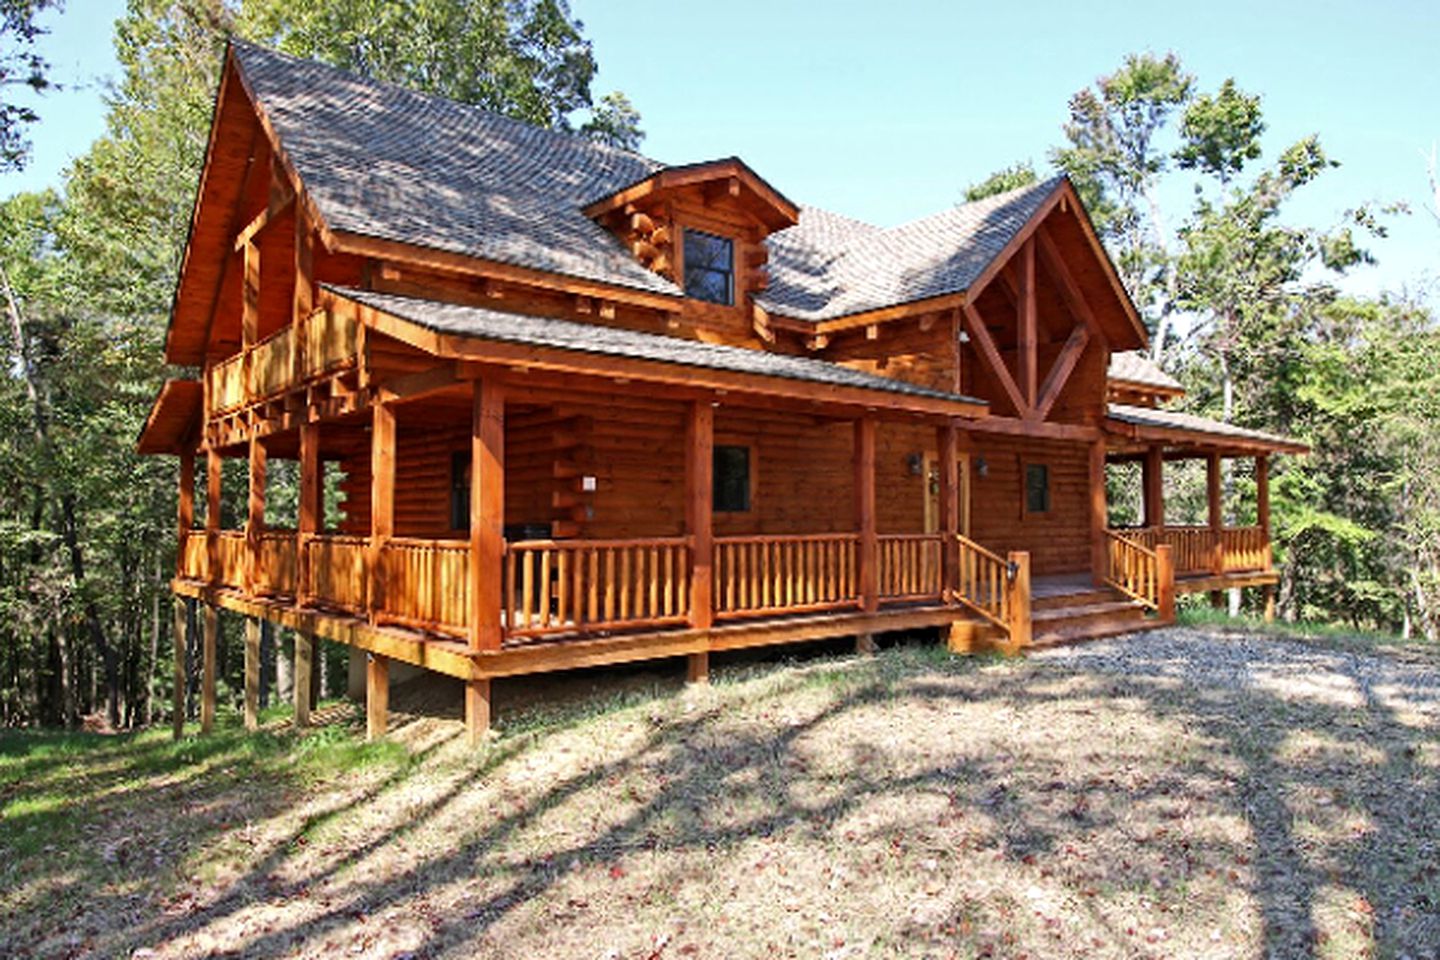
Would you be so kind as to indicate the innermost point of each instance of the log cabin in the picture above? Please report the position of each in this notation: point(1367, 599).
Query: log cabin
point(553, 404)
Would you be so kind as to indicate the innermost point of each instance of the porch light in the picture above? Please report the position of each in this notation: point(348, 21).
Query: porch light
point(982, 467)
point(915, 463)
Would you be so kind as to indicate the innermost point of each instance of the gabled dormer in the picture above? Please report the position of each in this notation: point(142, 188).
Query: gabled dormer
point(703, 226)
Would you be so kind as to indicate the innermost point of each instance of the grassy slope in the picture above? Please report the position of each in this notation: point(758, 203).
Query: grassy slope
point(906, 805)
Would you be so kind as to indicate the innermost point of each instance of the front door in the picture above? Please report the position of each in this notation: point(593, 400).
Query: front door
point(932, 494)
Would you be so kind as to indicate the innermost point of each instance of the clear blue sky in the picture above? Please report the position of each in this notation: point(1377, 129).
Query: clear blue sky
point(886, 111)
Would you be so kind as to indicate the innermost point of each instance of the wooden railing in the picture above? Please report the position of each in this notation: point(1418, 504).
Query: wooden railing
point(276, 564)
point(337, 570)
point(272, 363)
point(195, 556)
point(1199, 549)
point(779, 573)
point(427, 583)
point(1133, 569)
point(983, 582)
point(226, 385)
point(910, 566)
point(232, 558)
point(564, 586)
point(331, 342)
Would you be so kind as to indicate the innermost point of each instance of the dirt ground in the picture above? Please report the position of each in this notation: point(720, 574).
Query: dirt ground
point(1180, 793)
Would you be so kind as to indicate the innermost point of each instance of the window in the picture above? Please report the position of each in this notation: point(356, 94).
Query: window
point(1037, 488)
point(732, 480)
point(460, 490)
point(709, 267)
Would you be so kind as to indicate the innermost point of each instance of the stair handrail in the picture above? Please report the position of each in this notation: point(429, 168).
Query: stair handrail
point(1134, 570)
point(995, 609)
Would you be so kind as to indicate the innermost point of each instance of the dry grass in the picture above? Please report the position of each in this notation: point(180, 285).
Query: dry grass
point(1172, 794)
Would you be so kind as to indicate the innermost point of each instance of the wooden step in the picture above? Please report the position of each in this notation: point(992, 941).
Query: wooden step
point(1079, 599)
point(1105, 618)
point(1093, 630)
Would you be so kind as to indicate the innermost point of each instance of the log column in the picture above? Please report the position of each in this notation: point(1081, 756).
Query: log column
point(947, 442)
point(1099, 515)
point(185, 509)
point(487, 539)
point(1153, 476)
point(255, 521)
point(213, 475)
point(699, 522)
point(210, 640)
point(1017, 601)
point(382, 499)
point(1215, 504)
point(311, 507)
point(867, 560)
point(1262, 520)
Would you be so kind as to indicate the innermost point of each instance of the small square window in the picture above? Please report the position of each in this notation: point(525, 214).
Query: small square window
point(709, 268)
point(732, 479)
point(460, 490)
point(1037, 488)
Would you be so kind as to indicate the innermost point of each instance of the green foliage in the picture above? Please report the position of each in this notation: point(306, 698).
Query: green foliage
point(1002, 181)
point(20, 66)
point(1221, 132)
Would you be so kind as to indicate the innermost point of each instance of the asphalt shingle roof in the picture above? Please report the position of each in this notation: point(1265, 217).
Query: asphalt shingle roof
point(486, 324)
point(382, 161)
point(1176, 420)
point(1133, 366)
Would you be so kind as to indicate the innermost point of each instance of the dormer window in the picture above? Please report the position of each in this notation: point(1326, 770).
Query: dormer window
point(709, 268)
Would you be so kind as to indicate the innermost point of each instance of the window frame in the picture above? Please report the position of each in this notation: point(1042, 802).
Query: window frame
point(460, 491)
point(1049, 508)
point(750, 474)
point(730, 275)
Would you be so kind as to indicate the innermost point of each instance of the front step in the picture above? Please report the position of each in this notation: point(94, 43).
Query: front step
point(1108, 617)
point(1081, 598)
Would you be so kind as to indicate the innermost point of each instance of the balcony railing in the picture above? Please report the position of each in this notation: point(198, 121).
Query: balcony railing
point(1203, 550)
point(766, 575)
point(566, 586)
point(327, 342)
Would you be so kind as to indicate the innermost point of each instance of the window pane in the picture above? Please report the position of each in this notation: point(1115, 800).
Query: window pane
point(732, 479)
point(1037, 488)
point(709, 267)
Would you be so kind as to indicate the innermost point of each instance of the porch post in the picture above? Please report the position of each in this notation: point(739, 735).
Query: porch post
point(382, 499)
point(1262, 504)
point(1017, 601)
point(699, 510)
point(252, 673)
point(867, 559)
point(487, 512)
point(1099, 514)
point(213, 474)
point(209, 640)
point(1215, 504)
point(185, 509)
point(182, 643)
point(255, 522)
point(309, 514)
point(1153, 469)
point(1165, 585)
point(947, 441)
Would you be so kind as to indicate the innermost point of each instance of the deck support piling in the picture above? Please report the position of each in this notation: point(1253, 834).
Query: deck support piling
point(477, 710)
point(865, 644)
point(210, 641)
point(377, 695)
point(252, 673)
point(1269, 596)
point(304, 666)
point(697, 669)
point(182, 642)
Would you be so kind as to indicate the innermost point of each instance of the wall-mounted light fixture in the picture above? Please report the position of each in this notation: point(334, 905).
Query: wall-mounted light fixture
point(982, 468)
point(915, 463)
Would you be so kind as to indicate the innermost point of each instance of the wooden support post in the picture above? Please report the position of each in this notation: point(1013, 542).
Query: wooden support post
point(477, 710)
point(1017, 600)
point(185, 508)
point(947, 442)
point(699, 510)
point(867, 563)
point(1153, 467)
point(255, 522)
point(1269, 595)
point(377, 695)
point(252, 673)
point(1262, 514)
point(697, 668)
point(1165, 583)
point(213, 476)
point(865, 644)
point(304, 671)
point(382, 500)
point(310, 506)
point(210, 641)
point(1216, 505)
point(1028, 346)
point(1099, 515)
point(182, 640)
point(487, 512)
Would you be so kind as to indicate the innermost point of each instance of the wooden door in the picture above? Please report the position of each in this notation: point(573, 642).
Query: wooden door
point(931, 480)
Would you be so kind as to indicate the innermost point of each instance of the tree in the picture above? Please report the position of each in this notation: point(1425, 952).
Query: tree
point(20, 66)
point(1010, 178)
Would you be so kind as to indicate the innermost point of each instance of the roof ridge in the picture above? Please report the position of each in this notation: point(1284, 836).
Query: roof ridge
point(984, 203)
point(566, 135)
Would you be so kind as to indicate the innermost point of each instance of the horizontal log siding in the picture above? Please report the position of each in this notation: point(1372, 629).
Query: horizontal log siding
point(1058, 541)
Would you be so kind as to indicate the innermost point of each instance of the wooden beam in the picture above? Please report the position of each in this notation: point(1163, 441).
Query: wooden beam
point(1215, 505)
point(185, 506)
point(487, 511)
point(382, 499)
point(980, 336)
point(305, 644)
point(252, 673)
point(1060, 372)
point(1027, 323)
point(867, 561)
point(255, 517)
point(210, 641)
point(213, 476)
point(699, 509)
point(1000, 260)
point(1011, 427)
point(182, 643)
point(1069, 289)
point(250, 302)
point(697, 669)
point(1153, 481)
point(478, 707)
point(411, 386)
point(277, 204)
point(310, 511)
point(377, 695)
